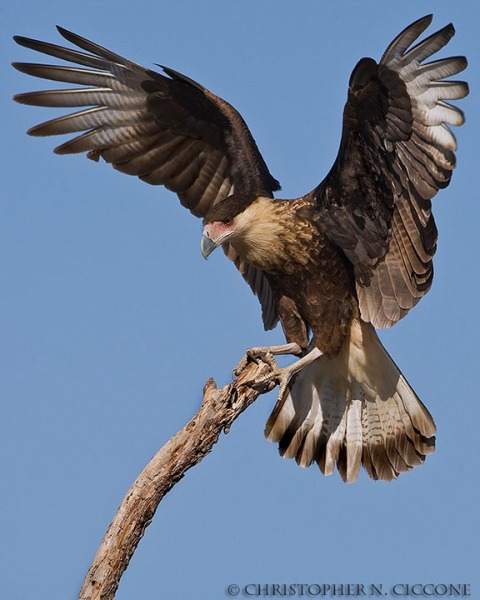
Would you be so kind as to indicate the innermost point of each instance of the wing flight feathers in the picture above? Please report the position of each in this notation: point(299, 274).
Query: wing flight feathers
point(129, 107)
point(164, 128)
point(397, 151)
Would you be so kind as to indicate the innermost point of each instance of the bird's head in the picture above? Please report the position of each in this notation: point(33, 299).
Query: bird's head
point(260, 230)
point(224, 222)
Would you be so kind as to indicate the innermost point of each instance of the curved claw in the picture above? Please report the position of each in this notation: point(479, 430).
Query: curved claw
point(265, 353)
point(282, 376)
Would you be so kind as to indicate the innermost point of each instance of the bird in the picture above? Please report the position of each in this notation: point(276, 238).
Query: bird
point(349, 257)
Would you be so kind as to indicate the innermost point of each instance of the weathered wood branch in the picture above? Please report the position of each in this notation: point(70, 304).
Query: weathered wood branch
point(219, 409)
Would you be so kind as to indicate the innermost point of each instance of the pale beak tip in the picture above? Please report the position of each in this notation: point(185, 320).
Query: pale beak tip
point(207, 246)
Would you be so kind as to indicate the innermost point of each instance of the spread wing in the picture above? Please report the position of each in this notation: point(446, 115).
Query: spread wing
point(162, 127)
point(396, 152)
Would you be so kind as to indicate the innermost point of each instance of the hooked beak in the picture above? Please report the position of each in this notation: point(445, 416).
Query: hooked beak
point(207, 246)
point(214, 235)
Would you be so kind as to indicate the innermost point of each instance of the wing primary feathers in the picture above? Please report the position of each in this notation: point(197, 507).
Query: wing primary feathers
point(430, 45)
point(64, 74)
point(62, 53)
point(405, 38)
point(173, 101)
point(397, 151)
point(91, 47)
point(165, 128)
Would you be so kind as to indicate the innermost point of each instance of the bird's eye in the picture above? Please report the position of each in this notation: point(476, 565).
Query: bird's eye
point(227, 221)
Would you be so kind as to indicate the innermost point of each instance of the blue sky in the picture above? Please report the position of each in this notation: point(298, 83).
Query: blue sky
point(112, 322)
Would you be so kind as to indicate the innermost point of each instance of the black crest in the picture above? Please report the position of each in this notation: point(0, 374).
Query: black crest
point(229, 208)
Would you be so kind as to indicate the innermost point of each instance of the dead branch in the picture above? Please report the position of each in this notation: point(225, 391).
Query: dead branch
point(219, 409)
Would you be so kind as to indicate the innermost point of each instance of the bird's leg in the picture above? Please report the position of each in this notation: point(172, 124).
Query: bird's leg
point(266, 353)
point(283, 375)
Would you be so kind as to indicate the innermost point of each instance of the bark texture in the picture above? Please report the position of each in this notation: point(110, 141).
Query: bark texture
point(219, 409)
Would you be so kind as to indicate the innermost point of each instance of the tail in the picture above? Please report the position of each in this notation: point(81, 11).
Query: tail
point(354, 409)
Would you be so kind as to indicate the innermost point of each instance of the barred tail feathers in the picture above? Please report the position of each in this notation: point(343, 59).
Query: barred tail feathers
point(356, 408)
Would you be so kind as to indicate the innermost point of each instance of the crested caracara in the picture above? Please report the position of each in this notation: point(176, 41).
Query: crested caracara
point(352, 255)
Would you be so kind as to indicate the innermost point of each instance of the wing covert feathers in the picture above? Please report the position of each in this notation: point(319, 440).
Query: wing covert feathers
point(354, 409)
point(397, 151)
